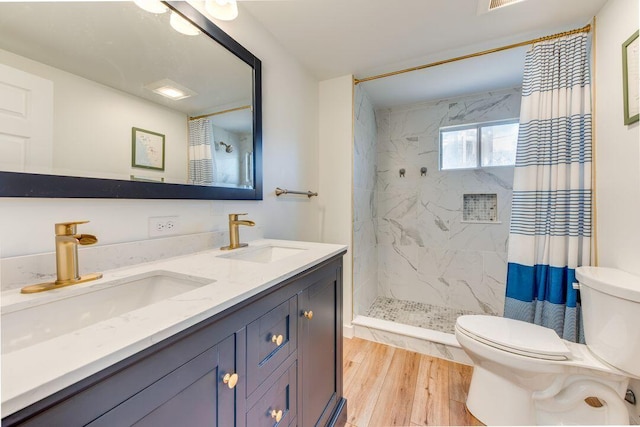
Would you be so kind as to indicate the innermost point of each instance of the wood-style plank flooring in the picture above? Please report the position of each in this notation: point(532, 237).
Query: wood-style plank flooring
point(387, 386)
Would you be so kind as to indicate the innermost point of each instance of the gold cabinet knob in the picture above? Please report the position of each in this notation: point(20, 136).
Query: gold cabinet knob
point(277, 339)
point(308, 314)
point(276, 415)
point(230, 380)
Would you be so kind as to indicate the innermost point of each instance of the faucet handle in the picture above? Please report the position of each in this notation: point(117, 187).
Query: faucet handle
point(67, 228)
point(234, 216)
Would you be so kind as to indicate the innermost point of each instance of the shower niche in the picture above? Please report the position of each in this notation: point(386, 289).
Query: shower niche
point(480, 208)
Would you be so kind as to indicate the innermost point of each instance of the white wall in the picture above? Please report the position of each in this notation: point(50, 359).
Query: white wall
point(617, 154)
point(290, 133)
point(336, 166)
point(290, 149)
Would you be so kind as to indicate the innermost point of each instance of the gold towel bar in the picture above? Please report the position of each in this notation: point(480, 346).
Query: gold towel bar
point(309, 194)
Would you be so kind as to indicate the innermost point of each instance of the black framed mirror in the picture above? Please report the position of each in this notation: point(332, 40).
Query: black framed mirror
point(117, 59)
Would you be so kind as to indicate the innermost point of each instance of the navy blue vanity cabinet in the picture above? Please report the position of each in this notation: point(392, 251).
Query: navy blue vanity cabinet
point(179, 381)
point(272, 359)
point(320, 352)
point(196, 394)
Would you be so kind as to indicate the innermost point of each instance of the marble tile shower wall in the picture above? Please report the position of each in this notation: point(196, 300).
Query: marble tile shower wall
point(365, 270)
point(425, 253)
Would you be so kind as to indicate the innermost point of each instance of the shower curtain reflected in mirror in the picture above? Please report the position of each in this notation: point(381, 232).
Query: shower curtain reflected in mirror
point(201, 162)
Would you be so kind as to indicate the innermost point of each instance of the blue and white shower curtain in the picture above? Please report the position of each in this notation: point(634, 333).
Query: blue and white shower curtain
point(201, 163)
point(550, 232)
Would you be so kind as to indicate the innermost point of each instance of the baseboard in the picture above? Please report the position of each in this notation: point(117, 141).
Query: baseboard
point(420, 340)
point(348, 331)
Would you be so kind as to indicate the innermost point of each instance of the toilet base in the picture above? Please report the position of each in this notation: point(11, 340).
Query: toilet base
point(494, 400)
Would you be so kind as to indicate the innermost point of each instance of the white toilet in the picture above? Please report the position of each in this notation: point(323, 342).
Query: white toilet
point(524, 374)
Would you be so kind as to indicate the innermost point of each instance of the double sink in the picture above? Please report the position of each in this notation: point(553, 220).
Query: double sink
point(80, 306)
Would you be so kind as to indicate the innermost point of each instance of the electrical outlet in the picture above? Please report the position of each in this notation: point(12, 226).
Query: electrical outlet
point(163, 225)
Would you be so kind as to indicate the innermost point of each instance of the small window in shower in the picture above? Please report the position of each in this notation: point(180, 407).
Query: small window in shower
point(479, 145)
point(480, 208)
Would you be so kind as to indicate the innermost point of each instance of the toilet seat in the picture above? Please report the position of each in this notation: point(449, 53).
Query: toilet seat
point(514, 336)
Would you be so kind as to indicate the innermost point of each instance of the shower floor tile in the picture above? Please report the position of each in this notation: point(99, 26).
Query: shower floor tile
point(419, 314)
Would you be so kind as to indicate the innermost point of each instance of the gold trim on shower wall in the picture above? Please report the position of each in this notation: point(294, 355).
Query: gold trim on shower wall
point(244, 107)
point(584, 29)
point(594, 207)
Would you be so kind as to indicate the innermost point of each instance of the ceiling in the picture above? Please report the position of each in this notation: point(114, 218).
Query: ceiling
point(334, 38)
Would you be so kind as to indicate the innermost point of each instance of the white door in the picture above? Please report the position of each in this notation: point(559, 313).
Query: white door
point(26, 122)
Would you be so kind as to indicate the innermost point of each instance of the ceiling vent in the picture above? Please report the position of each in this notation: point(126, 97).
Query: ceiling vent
point(485, 6)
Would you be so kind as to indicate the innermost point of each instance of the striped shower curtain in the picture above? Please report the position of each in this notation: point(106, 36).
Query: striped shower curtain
point(550, 232)
point(201, 162)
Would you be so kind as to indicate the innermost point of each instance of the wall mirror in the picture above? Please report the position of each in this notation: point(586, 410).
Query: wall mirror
point(107, 100)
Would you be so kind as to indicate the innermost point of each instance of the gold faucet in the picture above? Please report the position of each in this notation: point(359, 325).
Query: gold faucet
point(234, 234)
point(67, 241)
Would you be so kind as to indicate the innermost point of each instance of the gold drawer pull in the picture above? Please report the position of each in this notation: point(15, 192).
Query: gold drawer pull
point(308, 314)
point(277, 339)
point(230, 380)
point(276, 415)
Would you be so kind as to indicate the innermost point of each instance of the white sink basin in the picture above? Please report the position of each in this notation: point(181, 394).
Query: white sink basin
point(263, 254)
point(79, 308)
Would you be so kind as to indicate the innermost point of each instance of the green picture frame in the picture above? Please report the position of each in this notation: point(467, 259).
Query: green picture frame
point(147, 149)
point(630, 79)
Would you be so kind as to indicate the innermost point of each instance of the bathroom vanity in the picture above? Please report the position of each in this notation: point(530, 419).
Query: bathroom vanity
point(253, 338)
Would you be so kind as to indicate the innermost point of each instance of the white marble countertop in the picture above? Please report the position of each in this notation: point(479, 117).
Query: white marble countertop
point(37, 371)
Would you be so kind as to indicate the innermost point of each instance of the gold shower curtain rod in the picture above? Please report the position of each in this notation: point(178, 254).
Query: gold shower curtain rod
point(244, 107)
point(584, 29)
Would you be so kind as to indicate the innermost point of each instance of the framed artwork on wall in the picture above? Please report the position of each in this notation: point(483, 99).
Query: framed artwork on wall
point(147, 149)
point(631, 79)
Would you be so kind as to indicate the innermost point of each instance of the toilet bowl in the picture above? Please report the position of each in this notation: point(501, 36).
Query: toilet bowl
point(524, 374)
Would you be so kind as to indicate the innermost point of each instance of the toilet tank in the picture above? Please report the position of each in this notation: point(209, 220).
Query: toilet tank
point(611, 316)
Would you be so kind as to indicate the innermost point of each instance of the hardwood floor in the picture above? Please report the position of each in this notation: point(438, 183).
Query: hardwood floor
point(387, 386)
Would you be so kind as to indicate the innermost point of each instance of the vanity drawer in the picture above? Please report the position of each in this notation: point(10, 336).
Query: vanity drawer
point(277, 402)
point(270, 340)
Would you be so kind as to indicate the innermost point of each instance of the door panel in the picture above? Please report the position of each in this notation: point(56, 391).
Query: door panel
point(26, 122)
point(318, 341)
point(193, 395)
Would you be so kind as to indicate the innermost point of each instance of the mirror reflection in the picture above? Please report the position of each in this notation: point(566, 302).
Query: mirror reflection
point(108, 90)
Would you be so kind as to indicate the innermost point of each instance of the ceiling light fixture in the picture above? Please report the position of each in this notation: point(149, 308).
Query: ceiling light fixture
point(170, 92)
point(170, 89)
point(182, 26)
point(225, 10)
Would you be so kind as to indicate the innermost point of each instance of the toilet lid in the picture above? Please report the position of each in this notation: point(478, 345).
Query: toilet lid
point(515, 336)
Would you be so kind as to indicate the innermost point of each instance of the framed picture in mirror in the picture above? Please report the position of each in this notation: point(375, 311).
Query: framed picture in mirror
point(147, 149)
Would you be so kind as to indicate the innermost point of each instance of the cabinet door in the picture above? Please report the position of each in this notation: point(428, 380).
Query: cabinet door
point(195, 394)
point(320, 350)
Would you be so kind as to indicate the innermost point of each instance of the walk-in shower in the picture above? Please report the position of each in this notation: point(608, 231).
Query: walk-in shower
point(428, 247)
